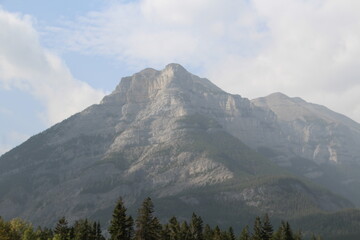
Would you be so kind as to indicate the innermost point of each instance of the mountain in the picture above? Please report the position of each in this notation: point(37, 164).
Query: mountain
point(183, 141)
point(315, 132)
point(321, 145)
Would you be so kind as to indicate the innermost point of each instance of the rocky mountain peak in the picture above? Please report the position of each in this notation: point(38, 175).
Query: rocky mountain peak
point(277, 98)
point(295, 108)
point(285, 107)
point(149, 83)
point(175, 67)
point(320, 130)
point(180, 139)
point(278, 95)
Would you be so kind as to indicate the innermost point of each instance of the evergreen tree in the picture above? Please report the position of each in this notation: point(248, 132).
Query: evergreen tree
point(245, 235)
point(121, 226)
point(258, 231)
point(157, 228)
point(185, 231)
point(230, 233)
point(298, 235)
point(217, 233)
point(288, 232)
point(129, 227)
point(62, 229)
point(196, 227)
point(93, 231)
point(56, 237)
point(147, 226)
point(284, 232)
point(165, 233)
point(174, 228)
point(98, 232)
point(225, 235)
point(267, 229)
point(6, 231)
point(19, 227)
point(71, 234)
point(28, 234)
point(208, 232)
point(43, 234)
point(83, 230)
point(276, 235)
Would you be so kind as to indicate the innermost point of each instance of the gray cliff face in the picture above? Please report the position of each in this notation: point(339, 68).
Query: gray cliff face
point(173, 93)
point(313, 131)
point(178, 138)
point(321, 145)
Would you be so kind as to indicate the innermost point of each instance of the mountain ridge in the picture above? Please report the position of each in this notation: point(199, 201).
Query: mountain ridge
point(331, 116)
point(168, 134)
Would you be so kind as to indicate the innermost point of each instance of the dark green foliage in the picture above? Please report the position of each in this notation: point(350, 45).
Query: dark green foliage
point(284, 232)
point(83, 230)
point(94, 231)
point(71, 233)
point(267, 229)
point(165, 232)
point(121, 225)
point(298, 235)
point(6, 232)
point(147, 226)
point(332, 226)
point(62, 229)
point(98, 232)
point(217, 233)
point(196, 227)
point(230, 234)
point(130, 227)
point(245, 234)
point(174, 229)
point(184, 231)
point(208, 232)
point(18, 229)
point(258, 231)
point(44, 234)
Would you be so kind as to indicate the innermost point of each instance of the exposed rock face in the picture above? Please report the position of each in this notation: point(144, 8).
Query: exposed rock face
point(320, 144)
point(171, 135)
point(313, 131)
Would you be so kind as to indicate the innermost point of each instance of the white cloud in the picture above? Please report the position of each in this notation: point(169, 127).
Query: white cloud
point(26, 65)
point(313, 52)
point(156, 32)
point(252, 47)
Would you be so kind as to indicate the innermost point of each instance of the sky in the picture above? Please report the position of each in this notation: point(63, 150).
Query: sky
point(58, 57)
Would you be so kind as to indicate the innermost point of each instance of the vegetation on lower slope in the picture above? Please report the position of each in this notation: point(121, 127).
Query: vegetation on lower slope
point(256, 185)
point(333, 226)
point(145, 227)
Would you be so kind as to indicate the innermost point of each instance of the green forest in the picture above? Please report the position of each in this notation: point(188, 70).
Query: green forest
point(145, 227)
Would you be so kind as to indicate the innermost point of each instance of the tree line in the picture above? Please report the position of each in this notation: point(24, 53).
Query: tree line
point(145, 227)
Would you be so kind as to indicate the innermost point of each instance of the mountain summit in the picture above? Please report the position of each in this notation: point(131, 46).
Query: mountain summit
point(183, 141)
